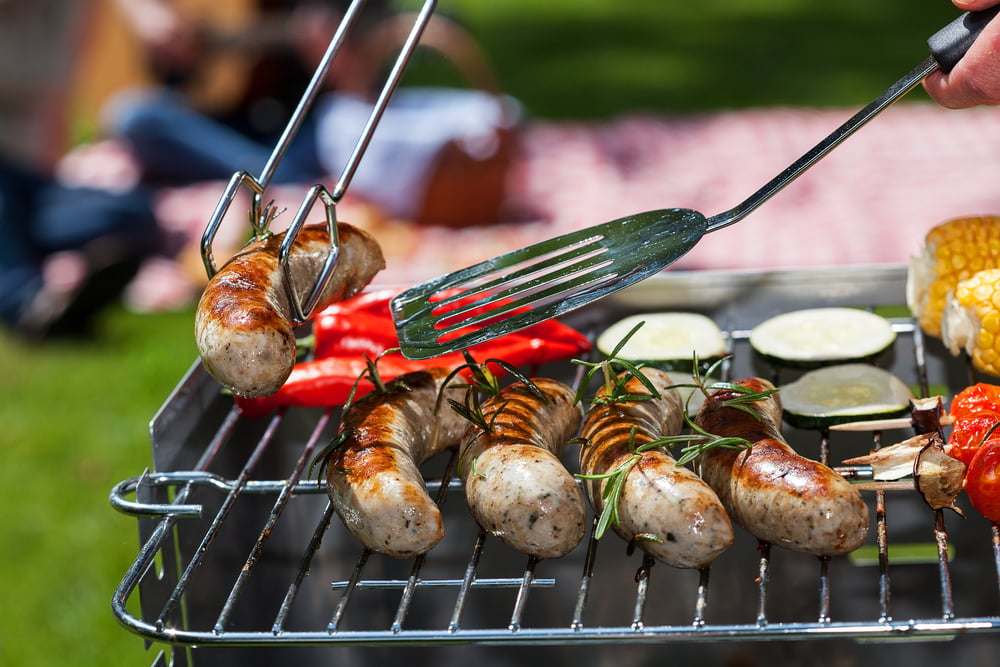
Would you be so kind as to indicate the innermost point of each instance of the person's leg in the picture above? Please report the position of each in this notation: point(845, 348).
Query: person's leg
point(99, 239)
point(20, 261)
point(71, 218)
point(175, 144)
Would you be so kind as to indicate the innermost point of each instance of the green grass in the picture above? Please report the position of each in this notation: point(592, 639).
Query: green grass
point(73, 417)
point(74, 422)
point(597, 58)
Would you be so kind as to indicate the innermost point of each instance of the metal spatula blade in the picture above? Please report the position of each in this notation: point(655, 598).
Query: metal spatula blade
point(530, 285)
point(542, 281)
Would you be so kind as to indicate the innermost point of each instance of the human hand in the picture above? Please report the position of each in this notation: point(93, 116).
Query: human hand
point(975, 80)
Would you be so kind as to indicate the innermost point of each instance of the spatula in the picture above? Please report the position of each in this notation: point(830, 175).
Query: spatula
point(547, 279)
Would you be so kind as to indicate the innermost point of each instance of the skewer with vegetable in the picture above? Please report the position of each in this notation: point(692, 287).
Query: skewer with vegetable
point(969, 459)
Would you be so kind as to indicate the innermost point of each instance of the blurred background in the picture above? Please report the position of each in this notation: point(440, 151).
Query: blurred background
point(75, 409)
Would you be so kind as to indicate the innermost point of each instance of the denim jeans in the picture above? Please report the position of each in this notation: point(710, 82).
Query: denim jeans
point(177, 145)
point(39, 217)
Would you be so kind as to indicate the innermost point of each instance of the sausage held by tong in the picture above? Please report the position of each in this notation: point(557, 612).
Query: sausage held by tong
point(243, 324)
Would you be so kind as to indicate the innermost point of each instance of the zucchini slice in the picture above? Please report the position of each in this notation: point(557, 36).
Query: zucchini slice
point(820, 336)
point(668, 341)
point(843, 393)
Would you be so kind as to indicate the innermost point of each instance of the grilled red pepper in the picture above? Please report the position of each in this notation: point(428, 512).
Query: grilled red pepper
point(348, 331)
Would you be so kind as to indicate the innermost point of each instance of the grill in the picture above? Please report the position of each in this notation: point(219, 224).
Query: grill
point(242, 559)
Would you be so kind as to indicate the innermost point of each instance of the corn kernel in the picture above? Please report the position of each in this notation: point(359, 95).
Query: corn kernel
point(971, 320)
point(953, 251)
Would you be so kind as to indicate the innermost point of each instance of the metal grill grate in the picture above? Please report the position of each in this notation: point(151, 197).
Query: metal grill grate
point(239, 546)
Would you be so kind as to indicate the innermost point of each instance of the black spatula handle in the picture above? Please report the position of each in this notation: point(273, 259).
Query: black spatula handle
point(950, 43)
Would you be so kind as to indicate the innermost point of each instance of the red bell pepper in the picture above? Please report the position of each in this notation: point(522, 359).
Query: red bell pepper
point(347, 331)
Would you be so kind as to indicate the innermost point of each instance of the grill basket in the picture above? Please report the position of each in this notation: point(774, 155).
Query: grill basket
point(242, 560)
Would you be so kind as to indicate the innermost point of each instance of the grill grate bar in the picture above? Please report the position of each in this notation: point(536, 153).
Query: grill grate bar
point(345, 597)
point(216, 525)
point(944, 571)
point(521, 601)
point(882, 540)
point(824, 590)
point(701, 600)
point(763, 573)
point(418, 562)
point(407, 597)
point(467, 581)
point(272, 520)
point(303, 569)
point(642, 588)
point(996, 552)
point(586, 579)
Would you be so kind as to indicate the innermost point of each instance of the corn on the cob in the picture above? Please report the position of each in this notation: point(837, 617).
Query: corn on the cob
point(953, 251)
point(971, 321)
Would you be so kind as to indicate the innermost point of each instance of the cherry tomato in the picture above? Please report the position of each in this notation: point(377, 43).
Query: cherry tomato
point(968, 433)
point(982, 480)
point(979, 397)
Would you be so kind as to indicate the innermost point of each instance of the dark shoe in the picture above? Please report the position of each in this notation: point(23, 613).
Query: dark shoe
point(60, 313)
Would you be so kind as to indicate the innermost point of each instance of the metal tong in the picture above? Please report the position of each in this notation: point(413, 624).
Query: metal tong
point(262, 214)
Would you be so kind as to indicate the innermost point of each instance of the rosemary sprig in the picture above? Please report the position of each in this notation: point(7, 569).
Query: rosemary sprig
point(743, 399)
point(484, 383)
point(616, 373)
point(612, 493)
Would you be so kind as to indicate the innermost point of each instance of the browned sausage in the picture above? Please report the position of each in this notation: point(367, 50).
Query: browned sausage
point(243, 325)
point(774, 493)
point(516, 486)
point(659, 498)
point(373, 477)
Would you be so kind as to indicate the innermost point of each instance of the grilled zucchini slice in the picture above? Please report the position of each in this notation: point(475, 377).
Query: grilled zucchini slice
point(843, 393)
point(817, 337)
point(669, 341)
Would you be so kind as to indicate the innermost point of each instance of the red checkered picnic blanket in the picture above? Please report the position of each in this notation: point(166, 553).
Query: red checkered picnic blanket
point(869, 202)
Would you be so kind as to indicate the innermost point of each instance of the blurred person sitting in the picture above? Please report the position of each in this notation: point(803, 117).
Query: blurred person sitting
point(439, 155)
point(65, 252)
point(178, 137)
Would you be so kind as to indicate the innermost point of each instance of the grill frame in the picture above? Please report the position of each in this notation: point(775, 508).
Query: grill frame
point(207, 479)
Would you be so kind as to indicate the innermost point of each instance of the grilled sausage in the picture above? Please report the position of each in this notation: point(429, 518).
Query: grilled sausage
point(658, 497)
point(243, 325)
point(373, 477)
point(777, 495)
point(516, 486)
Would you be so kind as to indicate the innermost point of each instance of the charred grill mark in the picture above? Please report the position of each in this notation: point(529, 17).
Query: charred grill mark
point(366, 462)
point(518, 489)
point(374, 481)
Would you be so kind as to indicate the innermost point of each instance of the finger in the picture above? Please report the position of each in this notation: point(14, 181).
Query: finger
point(975, 79)
point(975, 5)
